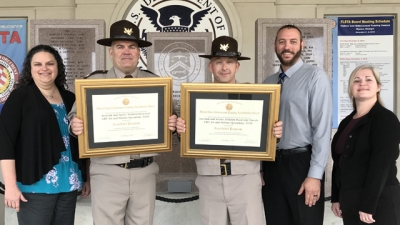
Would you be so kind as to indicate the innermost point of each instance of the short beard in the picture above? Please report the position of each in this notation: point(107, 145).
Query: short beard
point(290, 62)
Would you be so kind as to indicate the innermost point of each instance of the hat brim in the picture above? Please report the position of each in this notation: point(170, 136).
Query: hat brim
point(107, 41)
point(214, 56)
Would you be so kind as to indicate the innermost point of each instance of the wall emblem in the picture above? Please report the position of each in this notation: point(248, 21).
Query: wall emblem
point(8, 76)
point(178, 16)
point(179, 61)
point(174, 18)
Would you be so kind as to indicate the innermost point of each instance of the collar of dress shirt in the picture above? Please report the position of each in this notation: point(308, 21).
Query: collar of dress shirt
point(292, 70)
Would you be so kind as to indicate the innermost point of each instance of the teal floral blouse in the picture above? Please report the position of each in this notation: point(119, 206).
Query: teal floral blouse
point(65, 176)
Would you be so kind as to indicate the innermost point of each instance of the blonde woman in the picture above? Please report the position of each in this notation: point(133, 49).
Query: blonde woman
point(365, 189)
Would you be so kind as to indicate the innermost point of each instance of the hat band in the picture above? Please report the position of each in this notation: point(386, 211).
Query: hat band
point(125, 36)
point(229, 54)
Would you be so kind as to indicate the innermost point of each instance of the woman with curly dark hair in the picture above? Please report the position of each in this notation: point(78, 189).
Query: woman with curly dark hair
point(26, 76)
point(39, 159)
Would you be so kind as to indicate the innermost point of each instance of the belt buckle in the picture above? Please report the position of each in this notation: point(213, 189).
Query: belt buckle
point(225, 171)
point(125, 165)
point(148, 161)
point(279, 153)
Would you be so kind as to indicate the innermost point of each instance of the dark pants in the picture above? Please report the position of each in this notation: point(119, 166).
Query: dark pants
point(387, 211)
point(48, 209)
point(282, 204)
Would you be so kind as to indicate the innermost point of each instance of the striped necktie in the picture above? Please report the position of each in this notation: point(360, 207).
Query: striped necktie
point(281, 78)
point(128, 76)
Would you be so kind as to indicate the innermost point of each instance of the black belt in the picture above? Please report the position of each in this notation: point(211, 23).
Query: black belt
point(286, 152)
point(225, 169)
point(136, 163)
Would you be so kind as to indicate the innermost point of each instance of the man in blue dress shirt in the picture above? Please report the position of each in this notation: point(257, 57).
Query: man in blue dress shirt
point(294, 183)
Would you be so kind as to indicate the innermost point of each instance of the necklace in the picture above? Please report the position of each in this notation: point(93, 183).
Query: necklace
point(50, 95)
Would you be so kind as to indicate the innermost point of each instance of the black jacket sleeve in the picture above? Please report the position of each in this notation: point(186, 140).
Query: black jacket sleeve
point(384, 140)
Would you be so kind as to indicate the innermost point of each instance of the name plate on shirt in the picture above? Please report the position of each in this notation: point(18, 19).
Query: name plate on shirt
point(124, 116)
point(229, 121)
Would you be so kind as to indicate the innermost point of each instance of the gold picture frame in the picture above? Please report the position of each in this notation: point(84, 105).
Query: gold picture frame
point(229, 121)
point(124, 116)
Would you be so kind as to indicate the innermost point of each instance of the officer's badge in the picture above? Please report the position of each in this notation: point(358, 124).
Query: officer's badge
point(224, 47)
point(128, 31)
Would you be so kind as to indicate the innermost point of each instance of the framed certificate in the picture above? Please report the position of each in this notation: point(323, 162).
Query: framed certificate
point(229, 121)
point(124, 116)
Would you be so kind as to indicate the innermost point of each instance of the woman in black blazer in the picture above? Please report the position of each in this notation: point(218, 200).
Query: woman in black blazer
point(365, 189)
point(39, 159)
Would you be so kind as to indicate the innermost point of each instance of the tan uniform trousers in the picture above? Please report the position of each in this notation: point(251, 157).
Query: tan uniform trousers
point(234, 198)
point(123, 196)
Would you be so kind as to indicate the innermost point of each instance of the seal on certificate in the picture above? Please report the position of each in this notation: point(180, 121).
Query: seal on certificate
point(229, 107)
point(125, 101)
point(8, 76)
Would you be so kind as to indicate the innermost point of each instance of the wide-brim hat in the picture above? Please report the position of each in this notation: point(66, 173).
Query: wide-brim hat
point(225, 46)
point(124, 30)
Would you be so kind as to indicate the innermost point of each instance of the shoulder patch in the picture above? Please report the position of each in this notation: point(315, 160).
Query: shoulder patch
point(95, 72)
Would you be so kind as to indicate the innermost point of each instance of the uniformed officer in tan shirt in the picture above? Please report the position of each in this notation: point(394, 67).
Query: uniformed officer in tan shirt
point(230, 190)
point(123, 187)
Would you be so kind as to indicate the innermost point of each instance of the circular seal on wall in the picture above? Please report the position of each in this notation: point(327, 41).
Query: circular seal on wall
point(179, 61)
point(8, 76)
point(177, 16)
point(333, 23)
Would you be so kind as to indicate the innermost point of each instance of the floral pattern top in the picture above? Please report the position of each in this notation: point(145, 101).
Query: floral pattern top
point(65, 176)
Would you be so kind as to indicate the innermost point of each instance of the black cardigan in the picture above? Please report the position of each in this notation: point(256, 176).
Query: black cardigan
point(29, 133)
point(369, 160)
